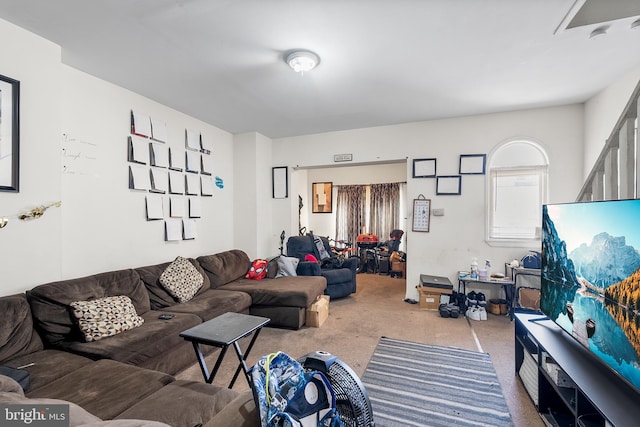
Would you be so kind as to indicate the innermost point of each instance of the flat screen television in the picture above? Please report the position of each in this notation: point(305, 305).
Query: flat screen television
point(590, 278)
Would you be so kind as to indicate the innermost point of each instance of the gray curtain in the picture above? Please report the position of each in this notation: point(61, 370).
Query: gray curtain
point(350, 211)
point(384, 212)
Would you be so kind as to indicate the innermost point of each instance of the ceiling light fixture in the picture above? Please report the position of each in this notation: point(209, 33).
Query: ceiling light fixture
point(302, 61)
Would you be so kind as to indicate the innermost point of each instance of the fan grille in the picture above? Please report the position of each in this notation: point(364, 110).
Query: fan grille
point(352, 401)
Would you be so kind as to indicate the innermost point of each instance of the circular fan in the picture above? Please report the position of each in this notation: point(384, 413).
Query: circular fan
point(352, 400)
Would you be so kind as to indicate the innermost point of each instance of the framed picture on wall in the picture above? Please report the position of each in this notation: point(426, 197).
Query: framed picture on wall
point(424, 168)
point(449, 185)
point(9, 134)
point(472, 164)
point(421, 214)
point(280, 182)
point(321, 193)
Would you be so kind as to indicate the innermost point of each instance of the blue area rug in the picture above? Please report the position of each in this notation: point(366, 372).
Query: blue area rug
point(412, 384)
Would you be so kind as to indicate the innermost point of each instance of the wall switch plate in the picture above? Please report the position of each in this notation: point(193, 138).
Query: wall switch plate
point(438, 212)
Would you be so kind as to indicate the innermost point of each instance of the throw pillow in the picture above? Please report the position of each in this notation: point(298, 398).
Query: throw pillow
point(310, 258)
point(105, 317)
point(272, 272)
point(287, 266)
point(257, 270)
point(181, 279)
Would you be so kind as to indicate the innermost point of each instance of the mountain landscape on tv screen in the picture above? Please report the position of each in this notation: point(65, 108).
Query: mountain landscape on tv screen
point(593, 293)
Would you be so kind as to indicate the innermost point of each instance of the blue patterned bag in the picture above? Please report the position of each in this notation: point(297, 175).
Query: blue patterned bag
point(289, 396)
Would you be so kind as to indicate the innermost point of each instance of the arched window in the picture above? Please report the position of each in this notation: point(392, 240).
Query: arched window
point(517, 190)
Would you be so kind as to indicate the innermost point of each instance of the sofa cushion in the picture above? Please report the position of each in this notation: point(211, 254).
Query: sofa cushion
point(272, 271)
point(225, 267)
point(104, 317)
point(203, 401)
point(135, 346)
point(158, 295)
point(283, 291)
point(213, 303)
point(105, 388)
point(17, 336)
point(181, 279)
point(45, 366)
point(50, 302)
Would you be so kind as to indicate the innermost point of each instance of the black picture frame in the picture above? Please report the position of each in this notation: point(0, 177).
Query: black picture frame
point(449, 185)
point(280, 182)
point(424, 168)
point(472, 164)
point(10, 125)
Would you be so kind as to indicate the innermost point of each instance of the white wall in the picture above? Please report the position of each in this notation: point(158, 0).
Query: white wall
point(457, 236)
point(30, 252)
point(601, 114)
point(101, 224)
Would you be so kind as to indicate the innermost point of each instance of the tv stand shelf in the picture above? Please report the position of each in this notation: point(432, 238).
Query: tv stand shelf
point(568, 385)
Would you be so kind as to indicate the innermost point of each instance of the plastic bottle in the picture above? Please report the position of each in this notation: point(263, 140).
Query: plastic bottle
point(487, 265)
point(474, 268)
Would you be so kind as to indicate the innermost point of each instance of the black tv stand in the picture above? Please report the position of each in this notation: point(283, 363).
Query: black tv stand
point(568, 385)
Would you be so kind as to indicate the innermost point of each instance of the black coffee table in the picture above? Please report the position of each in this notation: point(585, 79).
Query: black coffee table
point(221, 332)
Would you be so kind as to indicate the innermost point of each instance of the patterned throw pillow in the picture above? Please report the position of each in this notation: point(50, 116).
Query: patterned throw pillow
point(181, 279)
point(104, 317)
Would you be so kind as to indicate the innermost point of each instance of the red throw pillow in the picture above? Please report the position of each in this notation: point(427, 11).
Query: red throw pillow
point(310, 257)
point(258, 269)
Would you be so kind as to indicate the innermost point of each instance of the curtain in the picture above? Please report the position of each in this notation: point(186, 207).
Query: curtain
point(384, 213)
point(350, 211)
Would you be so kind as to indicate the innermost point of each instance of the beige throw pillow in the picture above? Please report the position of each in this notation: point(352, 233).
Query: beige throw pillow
point(104, 317)
point(181, 279)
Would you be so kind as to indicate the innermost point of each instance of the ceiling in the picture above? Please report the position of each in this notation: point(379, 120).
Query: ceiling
point(382, 61)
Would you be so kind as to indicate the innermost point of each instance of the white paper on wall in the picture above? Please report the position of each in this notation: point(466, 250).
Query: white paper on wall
point(193, 184)
point(206, 144)
point(195, 207)
point(176, 182)
point(189, 229)
point(159, 130)
point(176, 207)
point(172, 230)
point(154, 207)
point(138, 149)
point(176, 159)
point(139, 177)
point(206, 162)
point(140, 124)
point(159, 180)
point(159, 155)
point(193, 161)
point(192, 141)
point(206, 185)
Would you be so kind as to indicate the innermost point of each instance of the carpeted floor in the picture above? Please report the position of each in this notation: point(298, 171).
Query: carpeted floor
point(356, 324)
point(414, 384)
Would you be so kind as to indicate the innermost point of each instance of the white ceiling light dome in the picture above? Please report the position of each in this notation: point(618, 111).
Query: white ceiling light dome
point(301, 60)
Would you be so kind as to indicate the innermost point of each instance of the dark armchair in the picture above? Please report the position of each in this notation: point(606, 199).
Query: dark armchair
point(341, 282)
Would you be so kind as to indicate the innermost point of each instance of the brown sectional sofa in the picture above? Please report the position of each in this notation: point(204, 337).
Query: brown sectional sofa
point(130, 375)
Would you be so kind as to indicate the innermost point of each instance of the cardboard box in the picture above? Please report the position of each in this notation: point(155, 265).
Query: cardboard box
point(399, 266)
point(430, 290)
point(429, 300)
point(318, 312)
